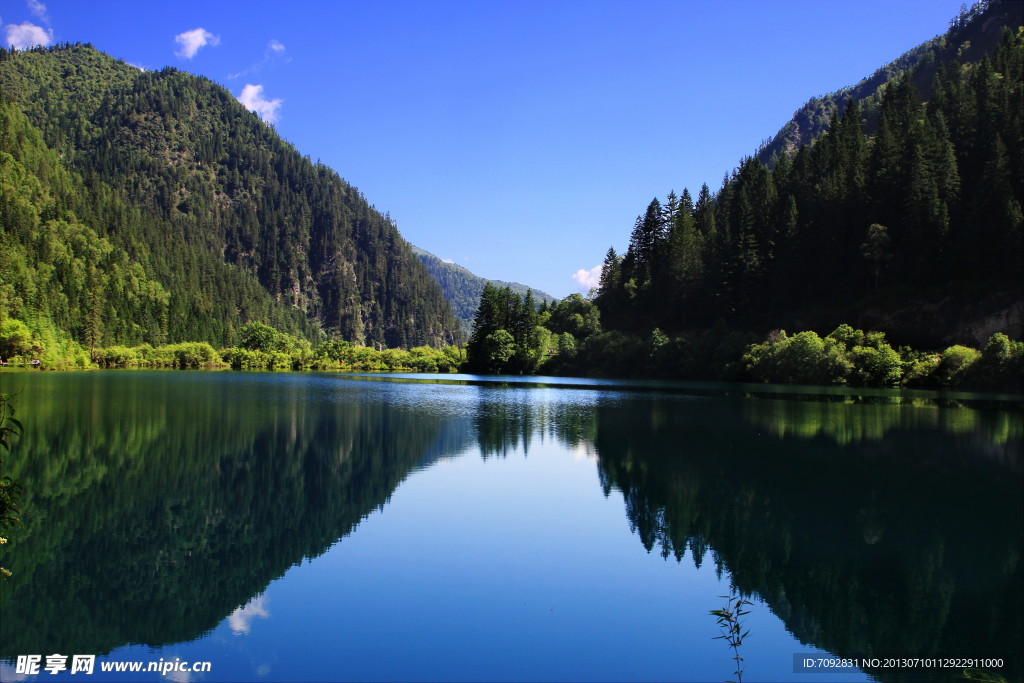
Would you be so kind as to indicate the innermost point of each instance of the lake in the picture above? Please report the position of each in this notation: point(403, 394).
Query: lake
point(329, 527)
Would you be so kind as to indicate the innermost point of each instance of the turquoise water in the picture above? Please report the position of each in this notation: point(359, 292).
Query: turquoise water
point(321, 527)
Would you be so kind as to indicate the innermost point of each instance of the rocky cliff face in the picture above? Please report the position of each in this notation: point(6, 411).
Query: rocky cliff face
point(960, 319)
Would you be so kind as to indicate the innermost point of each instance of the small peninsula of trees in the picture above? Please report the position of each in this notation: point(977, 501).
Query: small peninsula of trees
point(512, 335)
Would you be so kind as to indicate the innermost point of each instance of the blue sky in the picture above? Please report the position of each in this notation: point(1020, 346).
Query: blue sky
point(520, 139)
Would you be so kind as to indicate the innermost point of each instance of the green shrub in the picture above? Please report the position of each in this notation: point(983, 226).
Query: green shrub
point(1000, 366)
point(876, 367)
point(919, 370)
point(848, 336)
point(955, 363)
point(17, 341)
point(116, 357)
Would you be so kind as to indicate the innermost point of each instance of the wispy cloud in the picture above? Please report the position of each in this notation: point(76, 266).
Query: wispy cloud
point(9, 673)
point(21, 36)
point(275, 50)
point(253, 99)
point(240, 620)
point(587, 279)
point(191, 41)
point(38, 9)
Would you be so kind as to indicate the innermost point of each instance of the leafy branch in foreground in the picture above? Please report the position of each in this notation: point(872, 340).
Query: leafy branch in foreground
point(730, 623)
point(10, 489)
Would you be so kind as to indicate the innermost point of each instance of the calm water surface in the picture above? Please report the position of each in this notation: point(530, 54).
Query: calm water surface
point(322, 527)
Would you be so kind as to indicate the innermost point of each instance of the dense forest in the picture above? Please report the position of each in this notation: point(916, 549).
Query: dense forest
point(972, 34)
point(151, 207)
point(931, 203)
point(923, 213)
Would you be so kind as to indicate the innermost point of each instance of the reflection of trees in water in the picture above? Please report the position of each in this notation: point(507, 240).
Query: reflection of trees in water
point(178, 501)
point(901, 541)
point(509, 419)
point(163, 511)
point(850, 421)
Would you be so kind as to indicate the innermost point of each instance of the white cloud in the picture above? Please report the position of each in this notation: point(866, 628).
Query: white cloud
point(21, 36)
point(447, 260)
point(9, 673)
point(587, 279)
point(179, 676)
point(275, 50)
point(38, 9)
point(240, 620)
point(191, 41)
point(252, 98)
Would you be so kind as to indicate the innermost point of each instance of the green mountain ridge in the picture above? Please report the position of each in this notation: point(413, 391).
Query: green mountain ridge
point(192, 217)
point(915, 218)
point(909, 229)
point(974, 33)
point(462, 288)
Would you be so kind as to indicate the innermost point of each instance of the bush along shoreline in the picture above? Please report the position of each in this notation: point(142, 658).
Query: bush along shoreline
point(854, 358)
point(260, 347)
point(844, 357)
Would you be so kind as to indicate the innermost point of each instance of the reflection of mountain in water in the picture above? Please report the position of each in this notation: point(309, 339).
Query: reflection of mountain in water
point(866, 529)
point(869, 528)
point(177, 504)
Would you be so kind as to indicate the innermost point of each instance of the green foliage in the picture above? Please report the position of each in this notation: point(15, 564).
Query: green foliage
point(866, 359)
point(498, 348)
point(151, 207)
point(10, 489)
point(17, 341)
point(874, 367)
point(185, 355)
point(804, 358)
point(256, 336)
point(955, 363)
point(511, 336)
point(1000, 367)
point(730, 623)
point(896, 195)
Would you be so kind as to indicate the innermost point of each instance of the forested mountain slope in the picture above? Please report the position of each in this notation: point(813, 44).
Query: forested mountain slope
point(973, 34)
point(179, 215)
point(462, 288)
point(922, 211)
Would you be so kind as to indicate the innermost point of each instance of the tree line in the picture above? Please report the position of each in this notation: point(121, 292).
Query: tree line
point(930, 203)
point(928, 206)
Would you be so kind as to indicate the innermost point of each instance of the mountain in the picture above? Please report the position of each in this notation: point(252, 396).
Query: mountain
point(903, 217)
point(974, 33)
point(144, 207)
point(462, 289)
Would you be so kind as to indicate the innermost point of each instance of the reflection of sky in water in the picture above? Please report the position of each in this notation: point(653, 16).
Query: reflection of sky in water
point(535, 576)
point(241, 619)
point(500, 555)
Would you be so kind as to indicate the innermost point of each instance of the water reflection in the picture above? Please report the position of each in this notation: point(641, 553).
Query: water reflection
point(870, 530)
point(170, 503)
point(164, 503)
